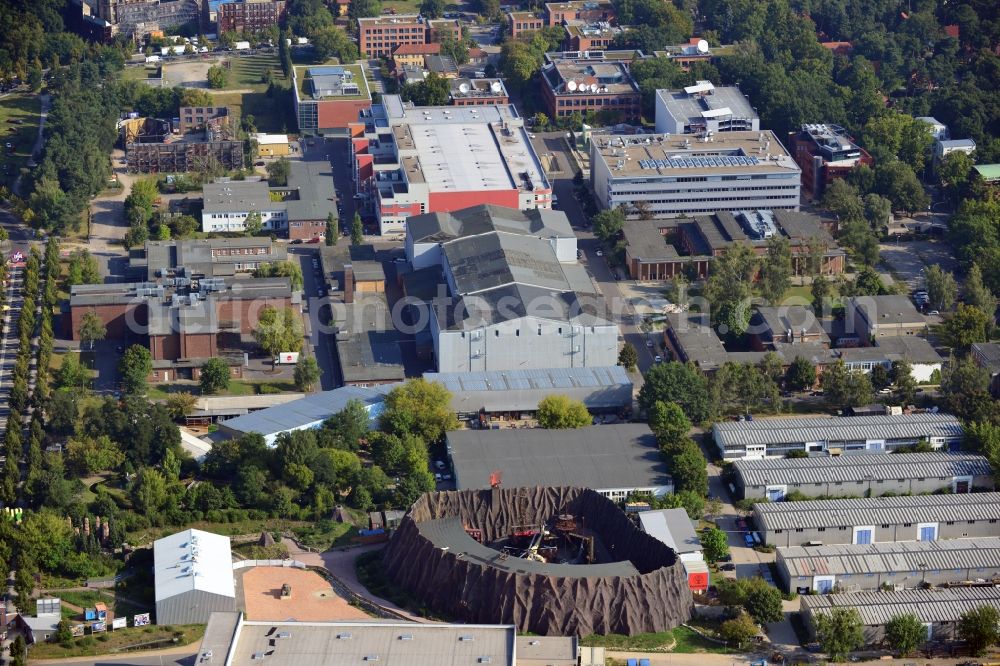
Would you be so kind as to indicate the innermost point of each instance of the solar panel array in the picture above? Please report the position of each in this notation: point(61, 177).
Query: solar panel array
point(700, 162)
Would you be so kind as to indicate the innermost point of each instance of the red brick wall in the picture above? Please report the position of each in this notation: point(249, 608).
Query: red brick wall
point(165, 347)
point(306, 229)
point(198, 345)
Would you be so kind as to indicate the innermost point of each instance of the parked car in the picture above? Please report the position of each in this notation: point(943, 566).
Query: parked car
point(748, 540)
point(728, 566)
point(658, 358)
point(599, 253)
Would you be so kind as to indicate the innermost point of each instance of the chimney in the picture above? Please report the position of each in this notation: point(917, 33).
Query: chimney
point(348, 283)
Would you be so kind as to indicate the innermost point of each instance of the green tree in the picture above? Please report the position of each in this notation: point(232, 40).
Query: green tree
point(215, 376)
point(87, 455)
point(253, 225)
point(432, 91)
point(801, 374)
point(277, 172)
point(715, 544)
point(729, 288)
point(432, 9)
point(628, 358)
point(967, 325)
point(278, 331)
point(739, 631)
point(953, 172)
point(217, 77)
point(820, 291)
point(878, 210)
point(902, 378)
point(678, 383)
point(149, 492)
point(92, 329)
point(980, 628)
point(687, 466)
point(560, 412)
point(974, 291)
point(421, 408)
point(839, 632)
point(941, 287)
point(289, 269)
point(71, 374)
point(845, 388)
point(608, 223)
point(762, 600)
point(364, 9)
point(668, 422)
point(880, 377)
point(307, 373)
point(776, 269)
point(64, 632)
point(905, 633)
point(134, 367)
point(357, 230)
point(180, 404)
point(332, 233)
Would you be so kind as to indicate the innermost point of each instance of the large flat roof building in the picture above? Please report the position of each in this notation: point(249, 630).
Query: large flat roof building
point(516, 391)
point(900, 565)
point(938, 609)
point(674, 175)
point(879, 519)
point(411, 160)
point(203, 257)
point(862, 475)
point(193, 573)
point(702, 108)
point(770, 438)
point(231, 639)
point(614, 460)
point(889, 315)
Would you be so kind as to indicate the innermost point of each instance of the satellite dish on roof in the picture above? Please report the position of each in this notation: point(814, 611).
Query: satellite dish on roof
point(571, 86)
point(702, 46)
point(583, 87)
point(496, 86)
point(463, 88)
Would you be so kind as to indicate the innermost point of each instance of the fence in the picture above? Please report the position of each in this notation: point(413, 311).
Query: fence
point(242, 564)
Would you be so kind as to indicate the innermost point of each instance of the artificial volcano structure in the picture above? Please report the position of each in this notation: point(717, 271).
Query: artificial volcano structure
point(552, 561)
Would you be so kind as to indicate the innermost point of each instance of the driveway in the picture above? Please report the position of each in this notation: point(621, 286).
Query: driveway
point(908, 259)
point(108, 225)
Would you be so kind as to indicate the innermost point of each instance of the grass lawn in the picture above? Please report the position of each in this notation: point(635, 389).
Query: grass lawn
point(326, 534)
point(116, 641)
point(88, 598)
point(683, 640)
point(227, 529)
point(236, 387)
point(803, 294)
point(139, 73)
point(407, 6)
point(248, 72)
point(25, 108)
point(267, 115)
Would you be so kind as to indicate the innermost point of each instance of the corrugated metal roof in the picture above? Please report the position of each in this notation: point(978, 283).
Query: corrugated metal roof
point(935, 605)
point(877, 511)
point(306, 412)
point(901, 556)
point(193, 560)
point(861, 467)
point(736, 435)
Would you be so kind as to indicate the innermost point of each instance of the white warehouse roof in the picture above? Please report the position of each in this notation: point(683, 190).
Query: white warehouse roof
point(673, 527)
point(193, 560)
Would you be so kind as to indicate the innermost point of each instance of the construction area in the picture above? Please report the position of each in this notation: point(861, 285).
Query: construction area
point(150, 146)
point(552, 561)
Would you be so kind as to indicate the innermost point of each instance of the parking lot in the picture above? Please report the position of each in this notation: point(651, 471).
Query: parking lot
point(908, 259)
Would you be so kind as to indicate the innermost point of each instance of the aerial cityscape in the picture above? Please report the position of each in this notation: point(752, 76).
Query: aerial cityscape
point(459, 332)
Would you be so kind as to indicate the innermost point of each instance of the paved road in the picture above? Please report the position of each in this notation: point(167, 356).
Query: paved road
point(179, 656)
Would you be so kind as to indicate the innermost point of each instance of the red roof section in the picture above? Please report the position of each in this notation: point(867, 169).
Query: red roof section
point(417, 49)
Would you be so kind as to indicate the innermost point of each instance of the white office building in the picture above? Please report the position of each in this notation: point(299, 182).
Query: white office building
point(704, 107)
point(674, 175)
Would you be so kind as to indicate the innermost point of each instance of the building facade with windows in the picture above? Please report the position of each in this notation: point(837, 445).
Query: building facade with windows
point(825, 153)
point(879, 519)
point(899, 566)
point(328, 98)
point(671, 175)
point(867, 475)
point(775, 438)
point(703, 108)
point(246, 16)
point(411, 160)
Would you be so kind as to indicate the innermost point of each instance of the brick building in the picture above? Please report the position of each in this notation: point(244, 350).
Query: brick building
point(202, 117)
point(575, 82)
point(379, 36)
point(522, 22)
point(591, 36)
point(246, 16)
point(588, 11)
point(825, 152)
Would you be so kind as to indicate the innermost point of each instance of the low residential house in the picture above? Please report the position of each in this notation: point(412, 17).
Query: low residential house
point(874, 317)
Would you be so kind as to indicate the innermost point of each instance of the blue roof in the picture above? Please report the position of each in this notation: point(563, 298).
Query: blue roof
point(332, 70)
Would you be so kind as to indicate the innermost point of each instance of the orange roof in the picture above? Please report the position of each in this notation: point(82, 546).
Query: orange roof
point(417, 49)
point(952, 31)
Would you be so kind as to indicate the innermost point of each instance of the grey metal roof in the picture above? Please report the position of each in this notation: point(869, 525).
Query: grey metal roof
point(909, 347)
point(312, 409)
point(317, 196)
point(901, 556)
point(647, 243)
point(934, 605)
point(886, 310)
point(987, 355)
point(736, 435)
point(521, 390)
point(598, 457)
point(439, 227)
point(513, 301)
point(860, 467)
point(877, 511)
point(238, 196)
point(496, 259)
point(673, 527)
point(683, 106)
